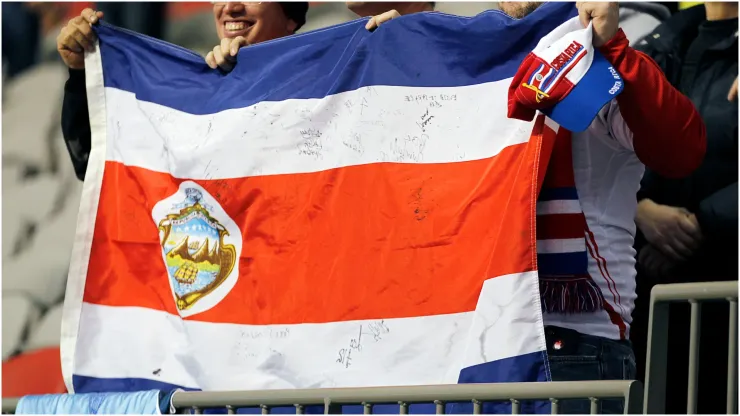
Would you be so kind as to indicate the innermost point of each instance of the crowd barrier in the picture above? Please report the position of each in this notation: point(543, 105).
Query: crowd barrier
point(657, 353)
point(333, 399)
point(630, 391)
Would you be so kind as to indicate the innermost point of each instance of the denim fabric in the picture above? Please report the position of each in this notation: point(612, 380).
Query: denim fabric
point(577, 357)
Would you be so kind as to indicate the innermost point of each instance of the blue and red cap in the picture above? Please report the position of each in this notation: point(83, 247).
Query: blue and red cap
point(565, 78)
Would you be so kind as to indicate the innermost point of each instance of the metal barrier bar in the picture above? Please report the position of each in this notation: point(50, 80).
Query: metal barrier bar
point(438, 394)
point(594, 406)
point(515, 409)
point(695, 333)
point(330, 406)
point(732, 360)
point(9, 405)
point(657, 352)
point(477, 407)
point(333, 399)
point(439, 407)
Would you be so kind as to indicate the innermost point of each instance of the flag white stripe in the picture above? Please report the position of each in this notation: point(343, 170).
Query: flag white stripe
point(132, 342)
point(80, 256)
point(308, 135)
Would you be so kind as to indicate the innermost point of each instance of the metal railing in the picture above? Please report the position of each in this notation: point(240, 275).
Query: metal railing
point(630, 391)
point(477, 394)
point(657, 353)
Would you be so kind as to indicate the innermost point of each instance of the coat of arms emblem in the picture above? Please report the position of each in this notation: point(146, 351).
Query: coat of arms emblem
point(200, 248)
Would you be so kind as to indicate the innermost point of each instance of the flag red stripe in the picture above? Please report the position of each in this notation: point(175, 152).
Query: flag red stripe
point(371, 241)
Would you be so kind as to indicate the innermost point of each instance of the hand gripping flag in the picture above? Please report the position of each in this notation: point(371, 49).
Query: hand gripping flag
point(344, 209)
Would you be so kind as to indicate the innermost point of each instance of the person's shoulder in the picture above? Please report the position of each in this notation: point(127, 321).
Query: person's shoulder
point(686, 21)
point(674, 32)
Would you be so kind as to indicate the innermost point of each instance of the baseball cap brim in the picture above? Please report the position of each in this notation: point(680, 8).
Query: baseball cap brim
point(601, 84)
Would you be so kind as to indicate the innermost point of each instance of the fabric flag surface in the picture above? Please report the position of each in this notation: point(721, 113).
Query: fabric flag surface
point(344, 209)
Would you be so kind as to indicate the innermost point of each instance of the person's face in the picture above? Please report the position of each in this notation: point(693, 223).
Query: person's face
point(518, 9)
point(256, 21)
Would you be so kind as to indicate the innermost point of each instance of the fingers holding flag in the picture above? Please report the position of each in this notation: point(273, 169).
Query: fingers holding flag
point(378, 20)
point(76, 37)
point(224, 54)
point(605, 18)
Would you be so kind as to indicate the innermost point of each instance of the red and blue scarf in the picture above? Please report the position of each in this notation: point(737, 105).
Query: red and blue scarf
point(565, 283)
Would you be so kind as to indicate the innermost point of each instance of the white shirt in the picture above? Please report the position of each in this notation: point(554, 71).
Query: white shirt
point(607, 176)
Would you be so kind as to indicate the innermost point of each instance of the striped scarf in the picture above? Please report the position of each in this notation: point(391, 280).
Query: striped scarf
point(565, 284)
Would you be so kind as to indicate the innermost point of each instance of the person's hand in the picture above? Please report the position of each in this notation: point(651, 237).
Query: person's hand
point(378, 20)
point(732, 95)
point(77, 37)
point(605, 17)
point(224, 55)
point(657, 265)
point(673, 231)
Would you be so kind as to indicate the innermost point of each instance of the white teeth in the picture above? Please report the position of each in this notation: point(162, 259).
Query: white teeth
point(234, 25)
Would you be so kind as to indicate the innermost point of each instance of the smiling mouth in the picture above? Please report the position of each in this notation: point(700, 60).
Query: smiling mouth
point(241, 26)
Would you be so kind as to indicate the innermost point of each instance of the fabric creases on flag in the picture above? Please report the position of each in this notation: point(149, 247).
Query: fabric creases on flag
point(350, 209)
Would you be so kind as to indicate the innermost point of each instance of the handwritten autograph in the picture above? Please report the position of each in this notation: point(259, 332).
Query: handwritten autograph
point(376, 330)
point(354, 143)
point(425, 119)
point(311, 144)
point(216, 187)
point(424, 97)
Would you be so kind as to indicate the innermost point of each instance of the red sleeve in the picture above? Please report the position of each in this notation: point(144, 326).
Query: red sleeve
point(668, 134)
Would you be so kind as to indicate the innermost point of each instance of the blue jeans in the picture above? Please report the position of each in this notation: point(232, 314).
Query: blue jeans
point(577, 357)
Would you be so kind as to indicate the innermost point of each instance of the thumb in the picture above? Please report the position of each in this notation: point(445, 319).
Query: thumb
point(236, 44)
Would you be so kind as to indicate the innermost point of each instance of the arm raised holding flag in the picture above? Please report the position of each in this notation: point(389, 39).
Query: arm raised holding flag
point(237, 25)
point(649, 123)
point(668, 133)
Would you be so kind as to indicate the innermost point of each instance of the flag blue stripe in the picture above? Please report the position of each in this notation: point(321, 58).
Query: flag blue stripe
point(523, 368)
point(85, 384)
point(420, 50)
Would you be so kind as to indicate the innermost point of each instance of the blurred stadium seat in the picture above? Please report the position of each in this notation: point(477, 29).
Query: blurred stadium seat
point(37, 372)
